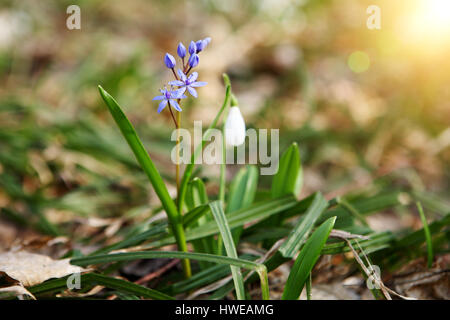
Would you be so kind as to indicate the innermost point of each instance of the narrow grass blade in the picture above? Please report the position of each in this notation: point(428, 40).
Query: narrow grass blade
point(149, 168)
point(427, 234)
point(303, 228)
point(306, 260)
point(55, 285)
point(433, 202)
point(125, 286)
point(364, 206)
point(130, 256)
point(219, 216)
point(418, 237)
point(257, 211)
point(223, 165)
point(134, 240)
point(193, 216)
point(201, 278)
point(352, 210)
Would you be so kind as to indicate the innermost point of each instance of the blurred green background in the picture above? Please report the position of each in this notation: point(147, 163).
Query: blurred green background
point(62, 159)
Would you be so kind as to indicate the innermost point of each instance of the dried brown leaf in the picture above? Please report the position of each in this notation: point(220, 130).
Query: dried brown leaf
point(31, 269)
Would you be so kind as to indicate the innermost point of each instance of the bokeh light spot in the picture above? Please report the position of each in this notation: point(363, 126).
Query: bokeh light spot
point(358, 61)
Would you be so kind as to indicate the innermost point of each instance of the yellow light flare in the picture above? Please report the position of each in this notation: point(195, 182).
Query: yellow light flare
point(428, 23)
point(437, 14)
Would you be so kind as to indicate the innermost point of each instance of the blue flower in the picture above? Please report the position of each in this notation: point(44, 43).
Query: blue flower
point(169, 60)
point(188, 83)
point(202, 44)
point(193, 60)
point(170, 97)
point(192, 48)
point(181, 50)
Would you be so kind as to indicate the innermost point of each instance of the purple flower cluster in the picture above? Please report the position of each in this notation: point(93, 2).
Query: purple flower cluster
point(184, 80)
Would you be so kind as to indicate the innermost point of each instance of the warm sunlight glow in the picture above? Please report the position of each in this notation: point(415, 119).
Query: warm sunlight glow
point(426, 24)
point(436, 15)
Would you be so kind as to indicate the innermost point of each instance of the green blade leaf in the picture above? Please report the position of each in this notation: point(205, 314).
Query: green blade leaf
point(304, 226)
point(126, 286)
point(141, 154)
point(289, 178)
point(258, 211)
point(130, 256)
point(134, 240)
point(149, 168)
point(55, 285)
point(219, 216)
point(195, 215)
point(202, 278)
point(242, 194)
point(427, 234)
point(243, 189)
point(306, 260)
point(196, 194)
point(197, 198)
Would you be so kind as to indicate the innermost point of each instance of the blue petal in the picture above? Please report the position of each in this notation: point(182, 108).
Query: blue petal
point(177, 94)
point(193, 77)
point(181, 75)
point(192, 48)
point(175, 104)
point(200, 45)
point(159, 98)
point(162, 105)
point(181, 50)
point(198, 84)
point(192, 92)
point(169, 60)
point(176, 83)
point(193, 60)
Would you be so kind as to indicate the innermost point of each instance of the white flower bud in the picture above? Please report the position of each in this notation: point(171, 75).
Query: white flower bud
point(234, 128)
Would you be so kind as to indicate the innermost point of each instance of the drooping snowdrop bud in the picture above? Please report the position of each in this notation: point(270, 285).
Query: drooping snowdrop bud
point(169, 60)
point(193, 60)
point(192, 48)
point(234, 127)
point(181, 50)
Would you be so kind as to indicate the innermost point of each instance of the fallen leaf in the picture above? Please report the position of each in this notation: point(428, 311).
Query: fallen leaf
point(17, 291)
point(31, 268)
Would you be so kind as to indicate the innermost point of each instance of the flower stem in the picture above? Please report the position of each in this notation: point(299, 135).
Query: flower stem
point(177, 169)
point(174, 73)
point(173, 117)
point(177, 226)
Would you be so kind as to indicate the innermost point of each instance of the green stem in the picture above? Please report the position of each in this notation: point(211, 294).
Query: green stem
point(262, 272)
point(177, 168)
point(223, 166)
point(352, 210)
point(190, 167)
point(427, 234)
